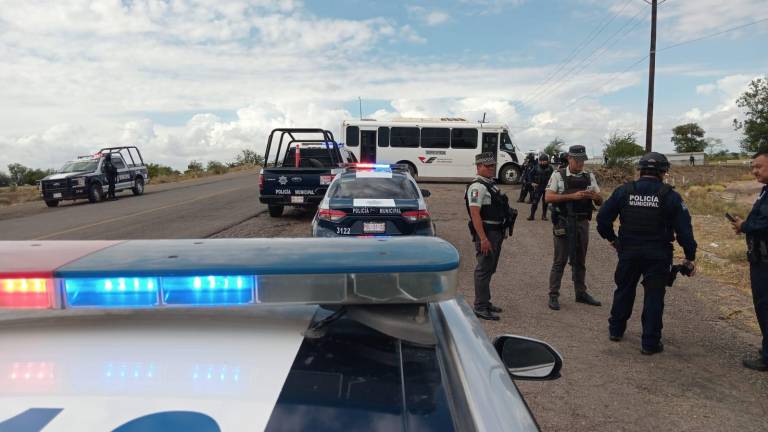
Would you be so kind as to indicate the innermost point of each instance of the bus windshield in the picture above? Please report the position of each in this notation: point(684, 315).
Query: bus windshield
point(506, 142)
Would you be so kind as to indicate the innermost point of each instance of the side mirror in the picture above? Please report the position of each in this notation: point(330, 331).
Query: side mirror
point(426, 193)
point(528, 359)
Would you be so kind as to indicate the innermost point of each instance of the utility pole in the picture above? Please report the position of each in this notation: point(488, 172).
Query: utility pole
point(651, 79)
point(360, 101)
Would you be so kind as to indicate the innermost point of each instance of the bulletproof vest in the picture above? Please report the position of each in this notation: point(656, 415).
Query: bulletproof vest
point(542, 174)
point(643, 213)
point(497, 210)
point(757, 242)
point(573, 184)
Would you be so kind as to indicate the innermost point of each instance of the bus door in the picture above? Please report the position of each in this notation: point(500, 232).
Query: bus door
point(490, 142)
point(368, 146)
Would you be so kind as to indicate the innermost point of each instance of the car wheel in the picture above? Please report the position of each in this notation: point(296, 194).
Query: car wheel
point(138, 186)
point(275, 210)
point(52, 203)
point(510, 174)
point(411, 169)
point(95, 193)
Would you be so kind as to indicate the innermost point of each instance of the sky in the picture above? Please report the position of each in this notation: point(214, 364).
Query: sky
point(203, 79)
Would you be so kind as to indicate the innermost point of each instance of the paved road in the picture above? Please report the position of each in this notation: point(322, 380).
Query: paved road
point(191, 209)
point(697, 384)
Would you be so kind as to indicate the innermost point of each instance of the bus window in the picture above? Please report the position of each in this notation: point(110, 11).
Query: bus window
point(353, 136)
point(506, 142)
point(463, 138)
point(383, 137)
point(490, 142)
point(435, 137)
point(404, 137)
point(368, 146)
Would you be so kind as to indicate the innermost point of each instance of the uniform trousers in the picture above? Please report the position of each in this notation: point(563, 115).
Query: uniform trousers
point(758, 274)
point(655, 273)
point(486, 267)
point(577, 261)
point(538, 194)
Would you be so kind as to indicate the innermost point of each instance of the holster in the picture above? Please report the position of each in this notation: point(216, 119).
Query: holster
point(757, 250)
point(559, 226)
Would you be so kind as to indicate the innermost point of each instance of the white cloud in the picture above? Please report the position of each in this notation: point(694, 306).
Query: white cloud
point(686, 19)
point(705, 89)
point(428, 17)
point(491, 6)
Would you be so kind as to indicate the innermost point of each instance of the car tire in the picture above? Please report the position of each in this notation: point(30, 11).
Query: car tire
point(52, 203)
point(275, 210)
point(509, 174)
point(138, 186)
point(95, 193)
point(411, 169)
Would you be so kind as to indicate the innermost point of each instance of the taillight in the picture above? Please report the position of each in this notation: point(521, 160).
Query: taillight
point(326, 179)
point(331, 215)
point(416, 215)
point(261, 182)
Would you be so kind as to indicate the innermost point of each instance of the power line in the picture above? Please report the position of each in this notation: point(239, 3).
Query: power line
point(576, 51)
point(728, 30)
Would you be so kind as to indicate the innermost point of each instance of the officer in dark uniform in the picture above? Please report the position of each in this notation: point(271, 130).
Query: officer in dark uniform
point(489, 214)
point(572, 191)
point(756, 229)
point(652, 215)
point(539, 181)
point(111, 172)
point(525, 178)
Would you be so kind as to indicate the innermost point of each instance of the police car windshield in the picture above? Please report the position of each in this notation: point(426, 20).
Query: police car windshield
point(79, 166)
point(352, 186)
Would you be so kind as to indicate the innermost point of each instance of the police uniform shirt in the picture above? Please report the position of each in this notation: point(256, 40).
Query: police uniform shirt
point(478, 195)
point(557, 184)
point(757, 221)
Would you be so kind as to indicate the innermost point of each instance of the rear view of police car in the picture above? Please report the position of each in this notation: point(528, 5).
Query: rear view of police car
point(373, 200)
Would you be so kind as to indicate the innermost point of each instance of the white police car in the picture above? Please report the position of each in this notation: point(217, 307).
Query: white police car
point(366, 200)
point(252, 334)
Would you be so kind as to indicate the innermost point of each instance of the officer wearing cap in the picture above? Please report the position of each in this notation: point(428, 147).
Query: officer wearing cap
point(111, 171)
point(572, 191)
point(539, 179)
point(756, 229)
point(487, 207)
point(652, 215)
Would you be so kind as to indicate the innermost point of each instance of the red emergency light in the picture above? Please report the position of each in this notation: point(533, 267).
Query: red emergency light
point(25, 292)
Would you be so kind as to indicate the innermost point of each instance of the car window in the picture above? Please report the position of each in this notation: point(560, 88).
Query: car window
point(309, 158)
point(397, 187)
point(117, 161)
point(79, 166)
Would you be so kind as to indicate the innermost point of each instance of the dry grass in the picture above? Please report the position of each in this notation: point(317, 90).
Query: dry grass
point(17, 195)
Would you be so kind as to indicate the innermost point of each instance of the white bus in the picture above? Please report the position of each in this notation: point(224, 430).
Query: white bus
point(434, 149)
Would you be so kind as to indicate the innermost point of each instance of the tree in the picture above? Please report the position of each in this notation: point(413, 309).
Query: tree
point(248, 157)
point(688, 138)
point(5, 179)
point(157, 170)
point(755, 126)
point(621, 148)
point(554, 147)
point(216, 167)
point(17, 172)
point(715, 146)
point(195, 167)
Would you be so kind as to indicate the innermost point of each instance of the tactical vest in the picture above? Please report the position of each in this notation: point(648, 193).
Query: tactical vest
point(541, 176)
point(494, 212)
point(757, 242)
point(573, 184)
point(643, 213)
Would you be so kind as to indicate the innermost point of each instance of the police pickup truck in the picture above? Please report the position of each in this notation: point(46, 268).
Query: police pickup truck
point(269, 335)
point(84, 178)
point(305, 161)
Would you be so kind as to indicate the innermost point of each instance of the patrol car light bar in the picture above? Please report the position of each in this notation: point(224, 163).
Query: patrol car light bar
point(236, 272)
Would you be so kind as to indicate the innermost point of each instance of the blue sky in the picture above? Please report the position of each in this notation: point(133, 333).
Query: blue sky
point(201, 79)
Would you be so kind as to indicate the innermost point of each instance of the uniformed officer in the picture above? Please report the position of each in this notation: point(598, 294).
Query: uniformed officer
point(525, 178)
point(111, 171)
point(488, 208)
point(572, 191)
point(756, 229)
point(539, 180)
point(652, 215)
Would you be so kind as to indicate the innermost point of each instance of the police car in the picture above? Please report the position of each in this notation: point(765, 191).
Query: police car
point(252, 334)
point(373, 200)
point(84, 178)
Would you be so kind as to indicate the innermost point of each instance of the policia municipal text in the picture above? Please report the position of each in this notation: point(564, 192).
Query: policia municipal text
point(652, 215)
point(490, 221)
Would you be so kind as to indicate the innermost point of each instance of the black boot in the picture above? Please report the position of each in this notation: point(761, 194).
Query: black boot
point(587, 299)
point(755, 364)
point(486, 314)
point(530, 217)
point(554, 304)
point(651, 351)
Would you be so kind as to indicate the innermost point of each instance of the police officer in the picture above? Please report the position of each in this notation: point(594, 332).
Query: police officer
point(572, 191)
point(525, 178)
point(756, 229)
point(488, 208)
point(111, 171)
point(539, 180)
point(652, 215)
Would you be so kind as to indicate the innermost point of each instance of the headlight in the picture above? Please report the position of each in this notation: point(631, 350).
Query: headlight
point(80, 181)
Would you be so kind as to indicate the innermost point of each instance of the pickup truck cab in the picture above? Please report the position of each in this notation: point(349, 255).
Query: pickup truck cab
point(84, 178)
point(299, 164)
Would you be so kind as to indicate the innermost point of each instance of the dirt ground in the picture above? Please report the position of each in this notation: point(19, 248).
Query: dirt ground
point(696, 384)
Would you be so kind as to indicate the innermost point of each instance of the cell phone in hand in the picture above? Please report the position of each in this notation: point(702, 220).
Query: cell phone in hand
point(730, 217)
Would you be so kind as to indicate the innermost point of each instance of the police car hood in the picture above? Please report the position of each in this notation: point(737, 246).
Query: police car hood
point(62, 176)
point(97, 371)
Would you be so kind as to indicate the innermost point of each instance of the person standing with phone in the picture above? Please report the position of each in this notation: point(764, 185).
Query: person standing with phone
point(756, 229)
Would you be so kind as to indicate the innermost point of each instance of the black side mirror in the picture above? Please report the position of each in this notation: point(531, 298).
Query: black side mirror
point(528, 359)
point(426, 193)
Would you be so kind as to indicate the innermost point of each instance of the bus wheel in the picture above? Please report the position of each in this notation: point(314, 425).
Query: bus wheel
point(510, 174)
point(411, 169)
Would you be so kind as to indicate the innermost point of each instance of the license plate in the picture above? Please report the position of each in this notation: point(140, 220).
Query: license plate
point(297, 199)
point(374, 227)
point(57, 195)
